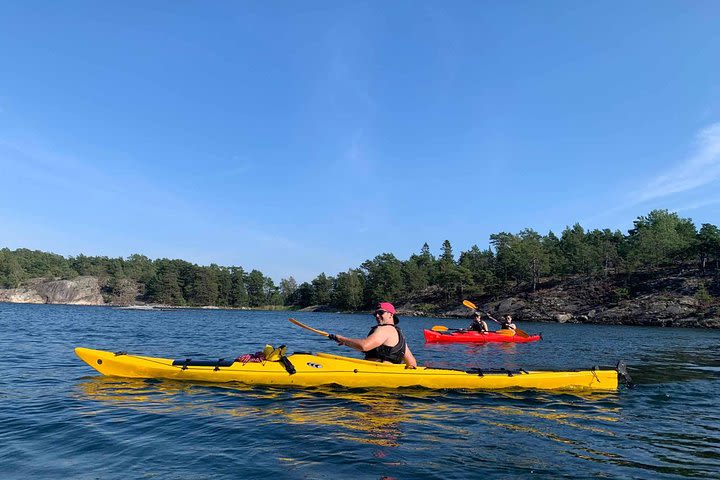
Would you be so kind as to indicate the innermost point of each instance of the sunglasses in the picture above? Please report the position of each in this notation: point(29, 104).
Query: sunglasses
point(379, 312)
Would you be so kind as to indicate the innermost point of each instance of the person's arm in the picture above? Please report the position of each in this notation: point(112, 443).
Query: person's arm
point(363, 344)
point(409, 358)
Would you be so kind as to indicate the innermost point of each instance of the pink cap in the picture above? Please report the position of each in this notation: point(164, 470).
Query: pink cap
point(387, 306)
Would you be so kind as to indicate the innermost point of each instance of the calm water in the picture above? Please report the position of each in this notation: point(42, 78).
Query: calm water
point(60, 419)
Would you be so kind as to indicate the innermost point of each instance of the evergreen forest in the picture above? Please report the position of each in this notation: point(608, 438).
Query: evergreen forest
point(513, 260)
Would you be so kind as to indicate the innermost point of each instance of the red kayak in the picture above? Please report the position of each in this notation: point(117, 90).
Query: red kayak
point(471, 336)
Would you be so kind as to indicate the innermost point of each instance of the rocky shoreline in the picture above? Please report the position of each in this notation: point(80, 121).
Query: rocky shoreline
point(667, 298)
point(671, 297)
point(680, 298)
point(78, 291)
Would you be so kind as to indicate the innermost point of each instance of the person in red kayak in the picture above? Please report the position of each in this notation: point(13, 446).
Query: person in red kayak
point(385, 341)
point(506, 324)
point(478, 324)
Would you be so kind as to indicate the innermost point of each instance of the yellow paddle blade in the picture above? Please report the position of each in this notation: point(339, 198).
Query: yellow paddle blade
point(505, 331)
point(521, 333)
point(439, 328)
point(469, 304)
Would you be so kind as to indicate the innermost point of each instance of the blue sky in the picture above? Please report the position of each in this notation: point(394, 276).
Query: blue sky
point(307, 137)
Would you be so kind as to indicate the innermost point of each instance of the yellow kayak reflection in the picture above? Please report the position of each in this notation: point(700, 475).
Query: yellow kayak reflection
point(365, 417)
point(380, 417)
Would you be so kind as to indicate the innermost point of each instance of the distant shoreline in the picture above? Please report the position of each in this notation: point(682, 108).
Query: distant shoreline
point(459, 313)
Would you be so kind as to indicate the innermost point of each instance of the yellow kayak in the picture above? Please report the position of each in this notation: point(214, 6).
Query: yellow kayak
point(311, 370)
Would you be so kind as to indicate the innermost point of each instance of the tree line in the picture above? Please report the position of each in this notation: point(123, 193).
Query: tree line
point(658, 239)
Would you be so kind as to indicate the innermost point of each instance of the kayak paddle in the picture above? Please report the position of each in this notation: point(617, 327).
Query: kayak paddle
point(472, 306)
point(443, 328)
point(469, 304)
point(319, 332)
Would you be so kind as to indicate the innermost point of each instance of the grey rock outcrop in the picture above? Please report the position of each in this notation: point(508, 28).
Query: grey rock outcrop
point(78, 291)
point(661, 299)
point(20, 295)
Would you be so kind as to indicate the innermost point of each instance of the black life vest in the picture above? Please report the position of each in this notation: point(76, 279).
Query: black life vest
point(385, 353)
point(506, 325)
point(477, 326)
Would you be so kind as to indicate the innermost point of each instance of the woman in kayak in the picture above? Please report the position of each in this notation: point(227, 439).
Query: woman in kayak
point(478, 324)
point(385, 342)
point(506, 324)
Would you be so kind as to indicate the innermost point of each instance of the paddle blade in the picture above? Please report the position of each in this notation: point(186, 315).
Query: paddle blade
point(521, 333)
point(439, 328)
point(469, 304)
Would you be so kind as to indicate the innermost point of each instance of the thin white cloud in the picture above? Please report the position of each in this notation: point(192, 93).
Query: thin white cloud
point(700, 204)
point(700, 169)
point(45, 172)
